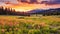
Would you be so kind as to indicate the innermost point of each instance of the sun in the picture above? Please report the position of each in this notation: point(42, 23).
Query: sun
point(25, 9)
point(22, 10)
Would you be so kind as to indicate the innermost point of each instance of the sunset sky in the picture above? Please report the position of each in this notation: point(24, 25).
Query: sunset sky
point(27, 5)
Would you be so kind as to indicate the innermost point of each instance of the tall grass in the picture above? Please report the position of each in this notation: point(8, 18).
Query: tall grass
point(29, 25)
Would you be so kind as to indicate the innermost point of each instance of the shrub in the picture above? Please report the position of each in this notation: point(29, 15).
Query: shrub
point(34, 31)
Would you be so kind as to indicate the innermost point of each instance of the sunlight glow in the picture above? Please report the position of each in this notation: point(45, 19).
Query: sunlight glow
point(27, 7)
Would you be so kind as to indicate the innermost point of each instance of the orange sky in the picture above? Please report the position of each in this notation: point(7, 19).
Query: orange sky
point(18, 6)
point(26, 7)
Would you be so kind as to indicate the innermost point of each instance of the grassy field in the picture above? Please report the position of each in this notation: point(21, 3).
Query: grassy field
point(29, 25)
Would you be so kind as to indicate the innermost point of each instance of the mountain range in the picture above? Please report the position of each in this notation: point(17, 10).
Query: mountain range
point(10, 11)
point(45, 12)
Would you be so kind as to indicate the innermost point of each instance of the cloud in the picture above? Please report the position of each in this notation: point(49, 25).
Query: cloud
point(15, 2)
point(28, 1)
point(50, 2)
point(1, 4)
point(33, 1)
point(12, 1)
point(24, 1)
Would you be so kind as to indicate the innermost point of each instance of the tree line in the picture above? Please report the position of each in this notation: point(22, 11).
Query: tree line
point(51, 12)
point(10, 11)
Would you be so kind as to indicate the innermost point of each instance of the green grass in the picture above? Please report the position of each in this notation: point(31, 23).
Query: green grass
point(29, 25)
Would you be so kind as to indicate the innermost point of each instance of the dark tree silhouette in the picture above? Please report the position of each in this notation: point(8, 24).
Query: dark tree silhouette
point(10, 11)
point(52, 12)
